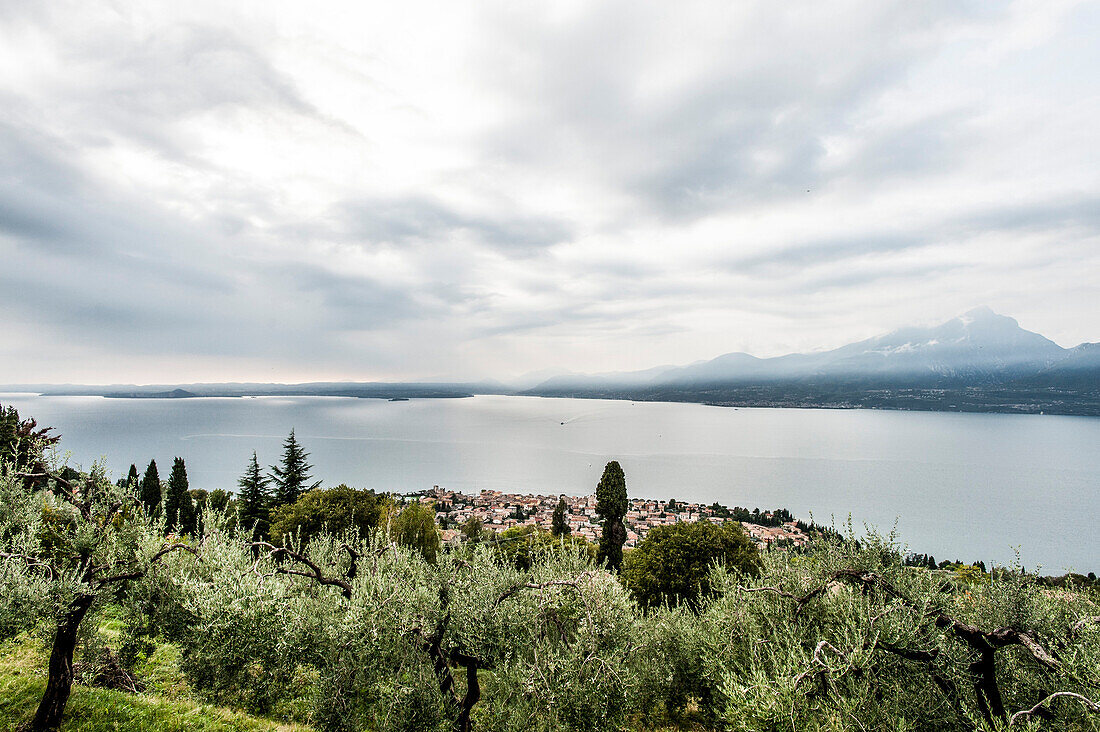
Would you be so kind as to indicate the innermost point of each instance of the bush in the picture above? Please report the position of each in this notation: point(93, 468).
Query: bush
point(672, 564)
point(336, 511)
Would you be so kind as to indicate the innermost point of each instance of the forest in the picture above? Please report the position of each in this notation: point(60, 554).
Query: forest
point(110, 601)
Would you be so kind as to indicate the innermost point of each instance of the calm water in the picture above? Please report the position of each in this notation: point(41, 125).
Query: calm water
point(968, 486)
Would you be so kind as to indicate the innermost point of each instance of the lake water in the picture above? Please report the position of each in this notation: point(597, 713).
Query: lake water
point(967, 486)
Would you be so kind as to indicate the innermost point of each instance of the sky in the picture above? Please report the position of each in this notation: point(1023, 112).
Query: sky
point(219, 191)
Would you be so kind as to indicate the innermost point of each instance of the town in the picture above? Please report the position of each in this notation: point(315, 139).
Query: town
point(500, 511)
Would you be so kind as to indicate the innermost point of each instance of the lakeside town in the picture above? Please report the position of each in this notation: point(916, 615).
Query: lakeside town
point(499, 511)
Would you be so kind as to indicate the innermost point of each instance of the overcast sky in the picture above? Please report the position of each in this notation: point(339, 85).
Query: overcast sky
point(264, 191)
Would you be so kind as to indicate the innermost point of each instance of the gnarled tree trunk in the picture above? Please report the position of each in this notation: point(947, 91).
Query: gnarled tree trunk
point(60, 682)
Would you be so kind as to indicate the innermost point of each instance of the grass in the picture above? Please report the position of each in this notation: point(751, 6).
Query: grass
point(168, 708)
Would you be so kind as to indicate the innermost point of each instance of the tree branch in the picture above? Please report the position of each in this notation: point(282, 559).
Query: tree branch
point(315, 572)
point(1089, 704)
point(31, 562)
point(138, 574)
point(514, 589)
point(68, 493)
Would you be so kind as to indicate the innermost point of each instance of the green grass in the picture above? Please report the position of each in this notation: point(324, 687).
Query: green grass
point(167, 708)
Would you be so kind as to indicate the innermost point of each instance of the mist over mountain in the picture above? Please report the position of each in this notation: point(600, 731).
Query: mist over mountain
point(979, 361)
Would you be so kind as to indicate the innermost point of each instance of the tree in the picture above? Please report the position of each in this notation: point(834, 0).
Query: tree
point(219, 500)
point(611, 504)
point(133, 481)
point(150, 489)
point(292, 477)
point(415, 527)
point(673, 562)
point(65, 548)
point(336, 511)
point(179, 510)
point(523, 546)
point(472, 529)
point(559, 526)
point(23, 444)
point(254, 499)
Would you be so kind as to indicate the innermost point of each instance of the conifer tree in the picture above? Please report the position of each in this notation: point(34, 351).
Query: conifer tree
point(558, 525)
point(178, 506)
point(254, 499)
point(611, 503)
point(133, 481)
point(292, 478)
point(150, 489)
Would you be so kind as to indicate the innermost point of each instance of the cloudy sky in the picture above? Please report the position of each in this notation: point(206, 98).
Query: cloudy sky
point(301, 191)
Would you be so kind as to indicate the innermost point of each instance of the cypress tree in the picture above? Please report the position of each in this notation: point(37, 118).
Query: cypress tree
point(611, 503)
point(292, 477)
point(254, 499)
point(558, 525)
point(133, 481)
point(178, 507)
point(150, 489)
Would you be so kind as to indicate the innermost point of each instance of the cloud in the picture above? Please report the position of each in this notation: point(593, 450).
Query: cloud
point(419, 219)
point(198, 192)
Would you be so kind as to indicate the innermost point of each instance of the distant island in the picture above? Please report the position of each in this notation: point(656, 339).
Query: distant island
point(977, 362)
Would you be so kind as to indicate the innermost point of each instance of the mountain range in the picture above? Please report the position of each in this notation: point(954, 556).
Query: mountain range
point(979, 361)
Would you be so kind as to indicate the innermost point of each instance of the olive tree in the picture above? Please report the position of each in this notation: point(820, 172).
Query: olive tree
point(845, 636)
point(381, 637)
point(67, 546)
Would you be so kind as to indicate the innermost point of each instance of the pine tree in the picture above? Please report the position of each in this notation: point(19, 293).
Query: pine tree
point(558, 525)
point(150, 489)
point(254, 499)
point(178, 507)
point(292, 478)
point(611, 503)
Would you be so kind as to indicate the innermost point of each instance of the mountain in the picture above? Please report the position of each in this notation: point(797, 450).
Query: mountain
point(978, 346)
point(979, 361)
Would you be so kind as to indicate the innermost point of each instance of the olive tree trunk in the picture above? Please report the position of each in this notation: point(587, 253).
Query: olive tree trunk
point(60, 682)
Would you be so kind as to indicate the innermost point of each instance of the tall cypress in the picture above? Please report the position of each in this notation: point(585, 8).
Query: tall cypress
point(133, 481)
point(292, 478)
point(150, 489)
point(254, 499)
point(611, 504)
point(179, 509)
point(558, 525)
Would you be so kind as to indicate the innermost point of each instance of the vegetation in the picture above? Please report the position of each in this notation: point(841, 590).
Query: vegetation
point(179, 510)
point(382, 628)
point(339, 511)
point(524, 546)
point(254, 499)
point(611, 505)
point(150, 489)
point(291, 477)
point(415, 528)
point(559, 526)
point(673, 563)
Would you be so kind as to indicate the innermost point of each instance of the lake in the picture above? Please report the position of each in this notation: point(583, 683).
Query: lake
point(966, 486)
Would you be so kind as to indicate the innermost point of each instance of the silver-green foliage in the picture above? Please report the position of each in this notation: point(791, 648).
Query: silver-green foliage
point(344, 628)
point(845, 637)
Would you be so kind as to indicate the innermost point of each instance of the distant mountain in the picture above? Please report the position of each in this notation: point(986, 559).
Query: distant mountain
point(979, 361)
point(977, 347)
